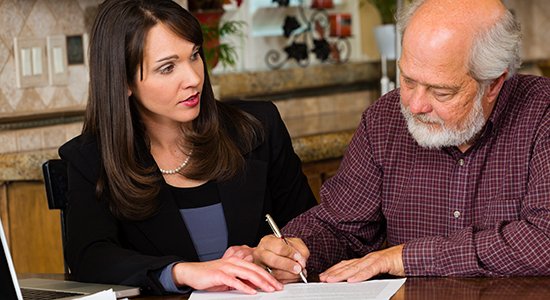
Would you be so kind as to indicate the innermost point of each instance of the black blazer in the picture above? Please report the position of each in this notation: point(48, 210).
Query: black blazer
point(102, 249)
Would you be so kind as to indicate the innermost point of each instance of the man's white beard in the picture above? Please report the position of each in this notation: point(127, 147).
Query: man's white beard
point(430, 136)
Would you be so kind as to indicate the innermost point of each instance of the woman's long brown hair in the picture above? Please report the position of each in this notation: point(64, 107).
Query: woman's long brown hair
point(220, 135)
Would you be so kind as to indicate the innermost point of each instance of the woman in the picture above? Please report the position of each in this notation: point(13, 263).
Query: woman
point(164, 177)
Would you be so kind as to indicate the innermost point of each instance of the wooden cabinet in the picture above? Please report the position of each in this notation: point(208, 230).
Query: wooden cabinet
point(33, 231)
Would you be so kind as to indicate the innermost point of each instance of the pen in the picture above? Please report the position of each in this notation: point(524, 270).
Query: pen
point(279, 235)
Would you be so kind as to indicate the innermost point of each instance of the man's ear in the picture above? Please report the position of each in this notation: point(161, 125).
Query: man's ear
point(495, 86)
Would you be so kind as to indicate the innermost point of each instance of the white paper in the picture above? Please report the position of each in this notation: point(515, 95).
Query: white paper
point(372, 289)
point(103, 295)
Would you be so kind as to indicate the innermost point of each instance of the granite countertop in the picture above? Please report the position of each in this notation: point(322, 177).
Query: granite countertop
point(24, 166)
point(250, 84)
point(28, 166)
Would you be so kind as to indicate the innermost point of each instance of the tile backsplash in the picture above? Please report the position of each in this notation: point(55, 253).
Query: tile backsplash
point(47, 138)
point(324, 114)
point(31, 18)
point(534, 16)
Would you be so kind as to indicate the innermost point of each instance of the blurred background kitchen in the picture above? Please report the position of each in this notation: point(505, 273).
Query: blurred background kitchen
point(317, 60)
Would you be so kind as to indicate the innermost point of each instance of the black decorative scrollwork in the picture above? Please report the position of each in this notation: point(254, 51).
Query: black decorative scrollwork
point(282, 2)
point(297, 51)
point(322, 49)
point(291, 24)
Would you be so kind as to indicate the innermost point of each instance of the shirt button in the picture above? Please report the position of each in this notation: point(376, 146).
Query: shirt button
point(456, 214)
point(461, 162)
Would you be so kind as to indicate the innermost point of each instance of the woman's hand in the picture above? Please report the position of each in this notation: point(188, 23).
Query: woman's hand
point(225, 274)
point(243, 252)
point(286, 261)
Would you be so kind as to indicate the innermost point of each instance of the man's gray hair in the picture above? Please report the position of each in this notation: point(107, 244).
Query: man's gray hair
point(494, 49)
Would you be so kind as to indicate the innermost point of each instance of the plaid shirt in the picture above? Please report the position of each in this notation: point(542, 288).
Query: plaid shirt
point(485, 212)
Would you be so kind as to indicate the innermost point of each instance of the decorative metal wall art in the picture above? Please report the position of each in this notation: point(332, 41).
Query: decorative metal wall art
point(333, 47)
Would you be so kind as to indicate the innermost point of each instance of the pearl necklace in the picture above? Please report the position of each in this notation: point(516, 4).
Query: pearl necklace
point(170, 172)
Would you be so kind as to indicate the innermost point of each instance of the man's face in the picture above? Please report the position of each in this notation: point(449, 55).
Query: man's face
point(429, 136)
point(439, 99)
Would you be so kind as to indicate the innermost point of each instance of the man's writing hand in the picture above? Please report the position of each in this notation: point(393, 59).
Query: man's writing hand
point(355, 270)
point(286, 261)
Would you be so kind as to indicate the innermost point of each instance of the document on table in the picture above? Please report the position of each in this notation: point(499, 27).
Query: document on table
point(371, 289)
point(104, 295)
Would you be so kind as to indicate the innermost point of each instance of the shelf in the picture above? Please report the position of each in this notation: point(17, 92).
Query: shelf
point(267, 18)
point(267, 32)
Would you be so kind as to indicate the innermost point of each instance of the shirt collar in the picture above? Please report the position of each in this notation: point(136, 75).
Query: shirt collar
point(503, 99)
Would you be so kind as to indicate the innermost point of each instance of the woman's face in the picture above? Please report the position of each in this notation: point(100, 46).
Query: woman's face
point(168, 92)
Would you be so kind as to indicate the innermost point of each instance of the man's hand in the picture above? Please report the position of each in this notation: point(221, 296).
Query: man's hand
point(355, 270)
point(286, 261)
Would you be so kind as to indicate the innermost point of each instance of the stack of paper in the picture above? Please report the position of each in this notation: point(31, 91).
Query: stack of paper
point(372, 289)
point(104, 295)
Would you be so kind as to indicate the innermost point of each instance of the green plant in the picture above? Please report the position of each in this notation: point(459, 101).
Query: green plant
point(209, 13)
point(386, 8)
point(215, 51)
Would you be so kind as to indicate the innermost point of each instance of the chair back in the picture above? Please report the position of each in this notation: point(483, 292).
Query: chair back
point(55, 180)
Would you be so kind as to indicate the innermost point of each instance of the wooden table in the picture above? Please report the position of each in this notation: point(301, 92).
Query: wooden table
point(440, 288)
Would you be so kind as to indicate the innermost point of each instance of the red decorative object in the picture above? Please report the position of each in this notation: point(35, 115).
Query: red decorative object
point(239, 2)
point(322, 4)
point(340, 25)
point(209, 18)
point(211, 38)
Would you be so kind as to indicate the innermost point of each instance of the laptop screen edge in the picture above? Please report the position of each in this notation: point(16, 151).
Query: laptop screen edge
point(10, 262)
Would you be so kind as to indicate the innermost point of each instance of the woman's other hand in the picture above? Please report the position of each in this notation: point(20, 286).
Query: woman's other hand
point(243, 252)
point(231, 273)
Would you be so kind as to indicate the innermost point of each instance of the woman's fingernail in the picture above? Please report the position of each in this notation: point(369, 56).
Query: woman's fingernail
point(297, 268)
point(271, 289)
point(280, 286)
point(297, 256)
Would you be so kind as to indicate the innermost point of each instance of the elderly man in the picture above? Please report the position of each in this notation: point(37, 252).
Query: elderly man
point(453, 168)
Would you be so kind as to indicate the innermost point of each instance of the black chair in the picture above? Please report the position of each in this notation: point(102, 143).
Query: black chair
point(55, 180)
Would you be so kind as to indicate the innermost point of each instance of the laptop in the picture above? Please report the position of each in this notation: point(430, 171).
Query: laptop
point(46, 289)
